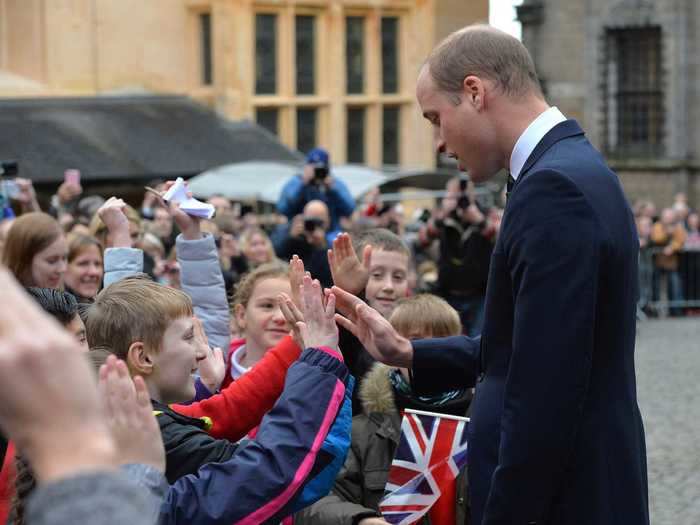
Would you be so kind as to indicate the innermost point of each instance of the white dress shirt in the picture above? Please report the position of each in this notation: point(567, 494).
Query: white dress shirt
point(532, 136)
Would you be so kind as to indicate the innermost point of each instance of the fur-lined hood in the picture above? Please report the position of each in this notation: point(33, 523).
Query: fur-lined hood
point(377, 396)
point(376, 392)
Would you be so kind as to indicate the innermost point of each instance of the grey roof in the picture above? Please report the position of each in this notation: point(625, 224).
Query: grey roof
point(127, 137)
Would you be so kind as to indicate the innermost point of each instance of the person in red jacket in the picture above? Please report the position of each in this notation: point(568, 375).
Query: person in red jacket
point(257, 365)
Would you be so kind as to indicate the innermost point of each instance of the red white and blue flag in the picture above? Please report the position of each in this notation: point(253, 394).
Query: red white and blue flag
point(432, 450)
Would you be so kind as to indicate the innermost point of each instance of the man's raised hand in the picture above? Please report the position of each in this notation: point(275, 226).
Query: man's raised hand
point(374, 332)
point(348, 272)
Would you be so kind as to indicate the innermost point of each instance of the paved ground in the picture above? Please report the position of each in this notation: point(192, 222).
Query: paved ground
point(668, 384)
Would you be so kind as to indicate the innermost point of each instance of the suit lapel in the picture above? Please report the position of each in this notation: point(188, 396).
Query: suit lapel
point(563, 130)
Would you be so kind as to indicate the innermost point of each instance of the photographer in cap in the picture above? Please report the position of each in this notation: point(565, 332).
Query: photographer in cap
point(316, 183)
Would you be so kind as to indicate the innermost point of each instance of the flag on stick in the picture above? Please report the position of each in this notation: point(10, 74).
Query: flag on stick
point(431, 451)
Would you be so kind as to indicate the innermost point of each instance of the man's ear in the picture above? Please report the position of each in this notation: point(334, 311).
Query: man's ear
point(239, 312)
point(473, 90)
point(139, 359)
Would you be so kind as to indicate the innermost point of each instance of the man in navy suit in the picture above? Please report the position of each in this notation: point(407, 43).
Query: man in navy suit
point(556, 435)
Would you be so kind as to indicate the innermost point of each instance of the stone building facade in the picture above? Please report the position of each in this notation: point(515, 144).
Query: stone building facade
point(335, 73)
point(628, 70)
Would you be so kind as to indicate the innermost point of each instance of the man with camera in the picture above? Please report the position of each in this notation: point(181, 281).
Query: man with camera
point(307, 238)
point(467, 235)
point(316, 184)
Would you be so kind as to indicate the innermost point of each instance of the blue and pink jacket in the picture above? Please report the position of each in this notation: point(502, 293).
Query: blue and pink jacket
point(292, 462)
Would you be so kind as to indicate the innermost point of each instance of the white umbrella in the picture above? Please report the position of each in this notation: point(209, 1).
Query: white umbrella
point(263, 181)
point(243, 180)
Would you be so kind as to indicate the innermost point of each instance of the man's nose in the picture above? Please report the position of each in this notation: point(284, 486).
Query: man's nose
point(439, 143)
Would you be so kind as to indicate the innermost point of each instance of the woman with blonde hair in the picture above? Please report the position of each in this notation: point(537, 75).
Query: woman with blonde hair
point(85, 267)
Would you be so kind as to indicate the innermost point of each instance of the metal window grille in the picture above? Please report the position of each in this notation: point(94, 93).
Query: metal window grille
point(390, 54)
point(268, 118)
point(265, 54)
point(356, 135)
point(205, 46)
point(390, 135)
point(634, 92)
point(354, 54)
point(306, 129)
point(305, 63)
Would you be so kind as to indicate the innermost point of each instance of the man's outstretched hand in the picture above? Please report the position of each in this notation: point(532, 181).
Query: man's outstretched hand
point(374, 332)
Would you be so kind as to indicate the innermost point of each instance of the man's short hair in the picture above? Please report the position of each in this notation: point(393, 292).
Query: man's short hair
point(380, 239)
point(486, 52)
point(132, 310)
point(425, 314)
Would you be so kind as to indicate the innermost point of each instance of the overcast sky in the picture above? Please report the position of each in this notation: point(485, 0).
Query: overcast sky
point(502, 15)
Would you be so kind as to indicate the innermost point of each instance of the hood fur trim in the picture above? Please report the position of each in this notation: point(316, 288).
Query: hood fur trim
point(376, 392)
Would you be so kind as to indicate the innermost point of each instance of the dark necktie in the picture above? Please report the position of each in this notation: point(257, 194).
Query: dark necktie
point(509, 185)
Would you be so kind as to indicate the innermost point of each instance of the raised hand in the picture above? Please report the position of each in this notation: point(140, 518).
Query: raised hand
point(296, 278)
point(68, 192)
point(112, 214)
point(375, 333)
point(188, 225)
point(348, 272)
point(213, 367)
point(50, 407)
point(130, 418)
point(318, 328)
point(27, 195)
point(293, 315)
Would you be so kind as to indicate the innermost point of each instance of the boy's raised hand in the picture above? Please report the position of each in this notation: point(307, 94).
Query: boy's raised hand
point(130, 418)
point(112, 214)
point(375, 333)
point(318, 327)
point(213, 367)
point(348, 272)
point(50, 407)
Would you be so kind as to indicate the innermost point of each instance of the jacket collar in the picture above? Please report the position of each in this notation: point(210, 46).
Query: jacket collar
point(564, 130)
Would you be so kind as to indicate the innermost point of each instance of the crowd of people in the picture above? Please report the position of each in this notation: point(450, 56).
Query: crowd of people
point(669, 257)
point(236, 302)
point(151, 292)
point(160, 367)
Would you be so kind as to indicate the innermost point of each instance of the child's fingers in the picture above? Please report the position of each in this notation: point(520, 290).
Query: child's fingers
point(295, 310)
point(366, 256)
point(143, 398)
point(218, 355)
point(286, 312)
point(303, 331)
point(330, 306)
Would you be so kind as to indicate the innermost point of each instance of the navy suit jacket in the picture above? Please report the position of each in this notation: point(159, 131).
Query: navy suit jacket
point(556, 436)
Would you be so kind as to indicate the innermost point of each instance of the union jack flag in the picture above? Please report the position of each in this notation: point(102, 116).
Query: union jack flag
point(431, 451)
